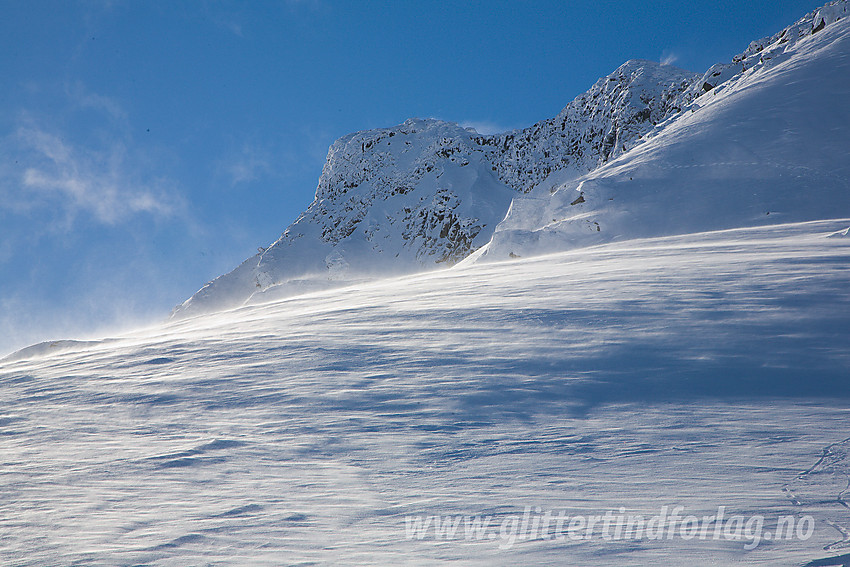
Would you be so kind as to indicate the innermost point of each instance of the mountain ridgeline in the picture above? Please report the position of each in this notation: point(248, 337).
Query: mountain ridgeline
point(429, 193)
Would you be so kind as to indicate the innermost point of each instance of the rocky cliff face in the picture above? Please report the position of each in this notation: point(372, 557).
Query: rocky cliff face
point(599, 125)
point(406, 183)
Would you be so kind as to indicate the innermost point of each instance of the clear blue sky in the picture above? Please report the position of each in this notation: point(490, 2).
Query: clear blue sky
point(151, 146)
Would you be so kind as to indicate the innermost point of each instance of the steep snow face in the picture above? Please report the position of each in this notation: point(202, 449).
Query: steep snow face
point(768, 145)
point(427, 193)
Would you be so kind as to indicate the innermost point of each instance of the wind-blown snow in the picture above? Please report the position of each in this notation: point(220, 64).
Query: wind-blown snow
point(667, 326)
point(699, 371)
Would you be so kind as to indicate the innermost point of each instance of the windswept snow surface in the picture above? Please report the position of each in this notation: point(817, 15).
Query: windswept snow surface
point(699, 371)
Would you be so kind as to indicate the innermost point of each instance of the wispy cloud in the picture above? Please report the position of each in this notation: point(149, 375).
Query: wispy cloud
point(79, 179)
point(81, 160)
point(79, 95)
point(668, 57)
point(484, 127)
point(250, 164)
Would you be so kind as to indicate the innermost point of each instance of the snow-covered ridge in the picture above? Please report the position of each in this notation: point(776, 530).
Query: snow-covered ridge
point(597, 126)
point(767, 145)
point(427, 193)
point(770, 50)
point(430, 193)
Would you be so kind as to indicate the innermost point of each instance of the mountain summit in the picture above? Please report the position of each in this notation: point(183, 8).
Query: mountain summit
point(648, 150)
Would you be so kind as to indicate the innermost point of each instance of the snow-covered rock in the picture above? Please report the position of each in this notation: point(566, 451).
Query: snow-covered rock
point(599, 125)
point(769, 51)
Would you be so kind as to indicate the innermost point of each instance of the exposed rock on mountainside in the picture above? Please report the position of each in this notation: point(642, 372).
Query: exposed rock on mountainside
point(597, 126)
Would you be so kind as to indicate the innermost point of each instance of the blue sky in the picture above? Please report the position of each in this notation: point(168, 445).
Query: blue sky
point(151, 146)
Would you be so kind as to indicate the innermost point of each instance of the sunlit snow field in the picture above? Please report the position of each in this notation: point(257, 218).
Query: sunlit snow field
point(700, 371)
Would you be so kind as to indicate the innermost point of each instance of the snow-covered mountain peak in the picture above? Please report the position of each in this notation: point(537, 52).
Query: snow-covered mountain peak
point(390, 200)
point(429, 193)
point(635, 77)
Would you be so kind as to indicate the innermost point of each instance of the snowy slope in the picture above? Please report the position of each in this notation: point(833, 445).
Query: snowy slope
point(699, 371)
point(426, 193)
point(688, 352)
point(770, 144)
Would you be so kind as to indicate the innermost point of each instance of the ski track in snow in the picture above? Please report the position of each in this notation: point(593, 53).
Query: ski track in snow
point(700, 371)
